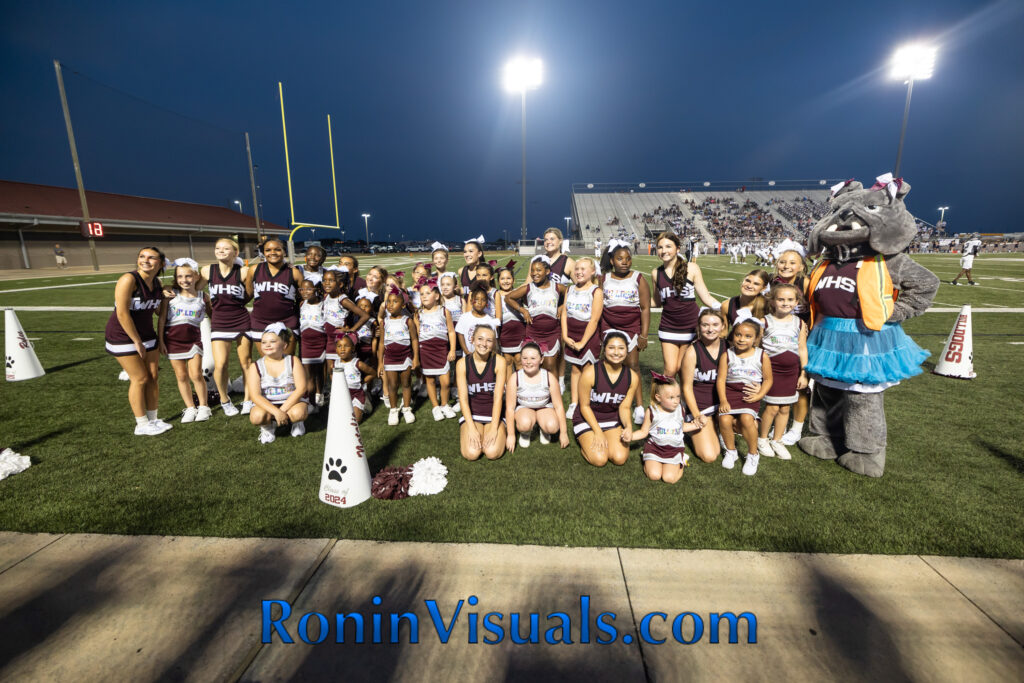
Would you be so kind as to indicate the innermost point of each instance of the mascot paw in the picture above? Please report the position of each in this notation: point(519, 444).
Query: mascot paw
point(818, 446)
point(868, 464)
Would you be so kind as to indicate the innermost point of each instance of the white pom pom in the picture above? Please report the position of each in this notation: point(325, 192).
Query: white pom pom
point(429, 476)
point(123, 376)
point(12, 463)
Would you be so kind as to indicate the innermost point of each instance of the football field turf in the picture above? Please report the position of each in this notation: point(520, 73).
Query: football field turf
point(954, 480)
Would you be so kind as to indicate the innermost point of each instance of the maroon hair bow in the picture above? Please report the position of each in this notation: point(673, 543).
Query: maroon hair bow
point(511, 262)
point(660, 378)
point(530, 340)
point(492, 263)
point(399, 273)
point(429, 282)
point(394, 290)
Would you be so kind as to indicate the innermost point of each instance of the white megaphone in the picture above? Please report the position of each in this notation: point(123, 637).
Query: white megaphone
point(345, 476)
point(957, 359)
point(206, 330)
point(21, 361)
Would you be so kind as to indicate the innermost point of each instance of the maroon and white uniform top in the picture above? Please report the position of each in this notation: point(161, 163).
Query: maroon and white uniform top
point(467, 279)
point(311, 317)
point(542, 303)
point(274, 298)
point(622, 306)
point(743, 371)
point(605, 398)
point(558, 275)
point(313, 338)
point(397, 343)
point(781, 342)
point(433, 341)
point(579, 309)
point(144, 303)
point(480, 387)
point(433, 325)
point(276, 389)
point(454, 306)
point(705, 377)
point(533, 392)
point(314, 276)
point(335, 312)
point(182, 335)
point(227, 297)
point(665, 443)
point(679, 309)
point(836, 292)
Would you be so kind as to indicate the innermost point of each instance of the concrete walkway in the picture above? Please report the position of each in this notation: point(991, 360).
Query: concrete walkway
point(91, 607)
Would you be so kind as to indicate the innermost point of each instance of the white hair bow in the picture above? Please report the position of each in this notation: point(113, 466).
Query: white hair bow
point(437, 246)
point(478, 240)
point(275, 328)
point(743, 315)
point(447, 273)
point(891, 185)
point(543, 258)
point(838, 186)
point(788, 245)
point(186, 262)
point(614, 244)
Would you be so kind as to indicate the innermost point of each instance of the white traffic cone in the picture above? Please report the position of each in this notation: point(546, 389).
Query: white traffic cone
point(345, 477)
point(206, 330)
point(21, 360)
point(957, 359)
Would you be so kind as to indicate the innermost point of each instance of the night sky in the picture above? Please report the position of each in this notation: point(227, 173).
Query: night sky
point(427, 141)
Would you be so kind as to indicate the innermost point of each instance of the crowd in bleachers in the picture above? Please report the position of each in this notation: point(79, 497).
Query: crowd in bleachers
point(730, 221)
point(802, 212)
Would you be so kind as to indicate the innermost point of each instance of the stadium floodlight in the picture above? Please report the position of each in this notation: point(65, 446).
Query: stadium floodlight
point(366, 224)
point(567, 219)
point(822, 182)
point(942, 216)
point(522, 74)
point(707, 184)
point(771, 183)
point(910, 63)
point(239, 202)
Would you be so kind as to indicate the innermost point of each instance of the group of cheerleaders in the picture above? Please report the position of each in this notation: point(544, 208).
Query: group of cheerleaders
point(505, 346)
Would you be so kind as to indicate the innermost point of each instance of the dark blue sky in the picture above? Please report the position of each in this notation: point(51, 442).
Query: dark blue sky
point(427, 141)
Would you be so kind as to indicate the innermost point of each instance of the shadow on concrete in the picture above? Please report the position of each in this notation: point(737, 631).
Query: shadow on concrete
point(855, 635)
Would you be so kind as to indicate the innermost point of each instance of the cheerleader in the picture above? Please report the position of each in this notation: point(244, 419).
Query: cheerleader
point(439, 257)
point(312, 341)
point(356, 282)
point(751, 298)
point(664, 427)
point(601, 424)
point(485, 276)
point(474, 317)
point(473, 253)
point(420, 273)
point(480, 377)
point(513, 329)
point(399, 356)
point(543, 298)
point(181, 340)
point(436, 335)
point(532, 398)
point(131, 338)
point(627, 307)
point(374, 289)
point(274, 288)
point(312, 270)
point(356, 373)
point(785, 342)
point(744, 377)
point(700, 380)
point(677, 284)
point(450, 298)
point(230, 320)
point(580, 316)
point(337, 307)
point(790, 268)
point(562, 268)
point(277, 385)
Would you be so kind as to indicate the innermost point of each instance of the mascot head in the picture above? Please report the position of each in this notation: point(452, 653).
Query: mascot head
point(864, 222)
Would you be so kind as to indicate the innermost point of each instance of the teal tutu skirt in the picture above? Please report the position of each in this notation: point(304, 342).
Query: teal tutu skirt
point(844, 349)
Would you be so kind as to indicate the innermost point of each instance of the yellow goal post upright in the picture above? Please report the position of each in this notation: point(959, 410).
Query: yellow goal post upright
point(296, 225)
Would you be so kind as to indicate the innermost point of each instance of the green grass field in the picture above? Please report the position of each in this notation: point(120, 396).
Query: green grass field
point(954, 481)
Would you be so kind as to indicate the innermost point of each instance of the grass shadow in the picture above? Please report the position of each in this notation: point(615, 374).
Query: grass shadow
point(1015, 461)
point(65, 366)
point(21, 446)
point(384, 454)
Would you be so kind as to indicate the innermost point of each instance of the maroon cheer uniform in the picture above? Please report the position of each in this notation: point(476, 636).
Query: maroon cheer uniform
point(182, 336)
point(397, 343)
point(480, 387)
point(433, 341)
point(141, 307)
point(513, 329)
point(230, 318)
point(679, 310)
point(274, 300)
point(558, 274)
point(705, 376)
point(622, 306)
point(605, 398)
point(544, 328)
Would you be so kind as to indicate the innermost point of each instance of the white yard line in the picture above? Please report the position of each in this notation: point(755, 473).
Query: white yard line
point(36, 289)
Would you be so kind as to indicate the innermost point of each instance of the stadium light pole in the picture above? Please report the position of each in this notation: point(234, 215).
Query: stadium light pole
point(567, 219)
point(522, 74)
point(239, 202)
point(942, 218)
point(366, 224)
point(910, 63)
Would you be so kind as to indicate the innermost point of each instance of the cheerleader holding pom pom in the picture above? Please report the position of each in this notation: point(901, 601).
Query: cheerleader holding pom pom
point(181, 340)
point(277, 385)
point(663, 427)
point(744, 377)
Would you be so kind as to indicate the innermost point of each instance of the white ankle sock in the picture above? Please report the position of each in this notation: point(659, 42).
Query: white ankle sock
point(269, 428)
point(142, 420)
point(150, 415)
point(797, 426)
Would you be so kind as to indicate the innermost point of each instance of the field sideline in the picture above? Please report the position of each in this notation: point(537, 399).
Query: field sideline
point(953, 482)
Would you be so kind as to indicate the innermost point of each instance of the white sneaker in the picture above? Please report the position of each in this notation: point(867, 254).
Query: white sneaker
point(764, 448)
point(457, 407)
point(392, 416)
point(438, 413)
point(524, 440)
point(319, 400)
point(409, 417)
point(447, 411)
point(188, 415)
point(148, 429)
point(544, 438)
point(203, 413)
point(229, 409)
point(246, 407)
point(729, 460)
point(781, 450)
point(750, 466)
point(267, 435)
point(160, 424)
point(298, 428)
point(571, 411)
point(638, 415)
point(791, 437)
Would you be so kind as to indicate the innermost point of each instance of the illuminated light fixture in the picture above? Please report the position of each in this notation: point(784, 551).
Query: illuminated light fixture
point(707, 184)
point(913, 62)
point(522, 73)
point(771, 183)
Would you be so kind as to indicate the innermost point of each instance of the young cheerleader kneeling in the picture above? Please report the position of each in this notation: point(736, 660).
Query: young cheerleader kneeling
point(744, 377)
point(601, 422)
point(480, 377)
point(277, 386)
point(533, 398)
point(664, 426)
